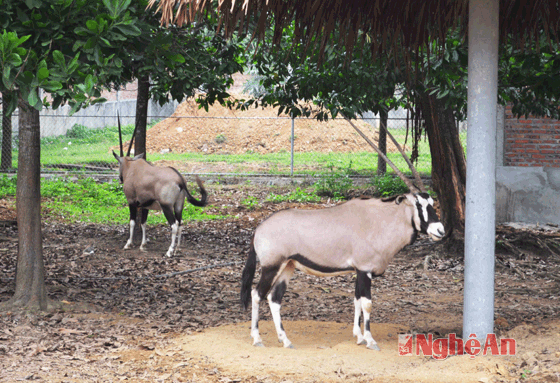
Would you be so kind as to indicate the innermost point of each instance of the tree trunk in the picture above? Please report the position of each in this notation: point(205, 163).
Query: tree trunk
point(30, 292)
point(142, 115)
point(382, 142)
point(449, 169)
point(6, 160)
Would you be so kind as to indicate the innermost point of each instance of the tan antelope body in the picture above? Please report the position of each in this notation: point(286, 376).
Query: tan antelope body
point(361, 235)
point(155, 188)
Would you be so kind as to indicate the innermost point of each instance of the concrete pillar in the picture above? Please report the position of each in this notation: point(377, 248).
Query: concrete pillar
point(480, 217)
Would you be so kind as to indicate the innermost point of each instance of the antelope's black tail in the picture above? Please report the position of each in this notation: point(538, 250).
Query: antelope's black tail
point(203, 194)
point(247, 276)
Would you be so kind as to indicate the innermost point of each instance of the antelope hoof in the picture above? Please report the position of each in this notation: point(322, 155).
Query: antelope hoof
point(290, 346)
point(258, 344)
point(361, 342)
point(143, 248)
point(374, 347)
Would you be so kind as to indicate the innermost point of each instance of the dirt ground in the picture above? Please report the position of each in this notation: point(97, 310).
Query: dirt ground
point(257, 130)
point(126, 317)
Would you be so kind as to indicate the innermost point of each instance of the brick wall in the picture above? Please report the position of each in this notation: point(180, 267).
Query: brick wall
point(531, 141)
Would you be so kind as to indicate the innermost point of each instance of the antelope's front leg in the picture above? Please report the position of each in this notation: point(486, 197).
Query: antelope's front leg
point(363, 300)
point(357, 332)
point(133, 211)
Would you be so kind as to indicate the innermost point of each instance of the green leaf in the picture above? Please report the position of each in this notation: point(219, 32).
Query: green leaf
point(52, 86)
point(58, 58)
point(42, 73)
point(33, 3)
point(178, 58)
point(14, 60)
point(129, 30)
point(92, 25)
point(32, 98)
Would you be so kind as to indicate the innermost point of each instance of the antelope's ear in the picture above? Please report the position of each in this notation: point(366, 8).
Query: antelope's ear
point(137, 157)
point(399, 199)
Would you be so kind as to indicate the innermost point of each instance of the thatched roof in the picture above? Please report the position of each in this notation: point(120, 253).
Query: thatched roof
point(386, 22)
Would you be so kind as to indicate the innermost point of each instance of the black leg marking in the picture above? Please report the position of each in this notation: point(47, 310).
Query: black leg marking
point(278, 292)
point(168, 212)
point(144, 216)
point(133, 211)
point(366, 326)
point(363, 285)
point(267, 277)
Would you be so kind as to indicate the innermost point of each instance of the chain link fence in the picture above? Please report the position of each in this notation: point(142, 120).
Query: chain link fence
point(210, 144)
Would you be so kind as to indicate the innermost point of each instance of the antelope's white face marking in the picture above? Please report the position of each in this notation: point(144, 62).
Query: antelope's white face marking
point(429, 221)
point(424, 202)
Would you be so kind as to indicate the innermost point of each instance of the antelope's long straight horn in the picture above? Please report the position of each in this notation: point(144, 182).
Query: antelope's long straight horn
point(132, 140)
point(120, 133)
point(410, 185)
point(412, 168)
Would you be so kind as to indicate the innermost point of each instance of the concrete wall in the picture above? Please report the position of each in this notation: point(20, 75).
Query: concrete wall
point(530, 192)
point(58, 122)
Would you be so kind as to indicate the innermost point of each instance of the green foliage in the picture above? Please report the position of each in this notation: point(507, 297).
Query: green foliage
point(297, 195)
point(66, 48)
point(220, 139)
point(7, 186)
point(86, 200)
point(335, 183)
point(250, 202)
point(389, 185)
point(79, 131)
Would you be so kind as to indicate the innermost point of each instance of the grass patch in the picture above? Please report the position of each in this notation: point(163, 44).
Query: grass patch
point(297, 195)
point(7, 186)
point(87, 146)
point(86, 200)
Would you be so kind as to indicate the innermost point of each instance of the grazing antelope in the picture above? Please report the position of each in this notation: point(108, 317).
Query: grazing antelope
point(154, 188)
point(361, 235)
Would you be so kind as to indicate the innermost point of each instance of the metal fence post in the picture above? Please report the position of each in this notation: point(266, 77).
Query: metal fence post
point(292, 159)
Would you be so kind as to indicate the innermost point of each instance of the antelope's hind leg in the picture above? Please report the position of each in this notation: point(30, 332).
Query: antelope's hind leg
point(268, 274)
point(275, 300)
point(133, 211)
point(170, 216)
point(363, 300)
point(143, 225)
point(179, 218)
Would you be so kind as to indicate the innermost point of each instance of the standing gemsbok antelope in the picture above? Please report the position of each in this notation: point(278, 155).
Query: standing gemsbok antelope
point(361, 235)
point(154, 188)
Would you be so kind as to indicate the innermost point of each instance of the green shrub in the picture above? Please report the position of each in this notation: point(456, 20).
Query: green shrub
point(389, 185)
point(79, 132)
point(335, 183)
point(297, 195)
point(7, 186)
point(220, 139)
point(250, 202)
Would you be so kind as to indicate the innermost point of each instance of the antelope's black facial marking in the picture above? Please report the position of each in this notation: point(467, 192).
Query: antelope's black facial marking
point(426, 212)
point(414, 233)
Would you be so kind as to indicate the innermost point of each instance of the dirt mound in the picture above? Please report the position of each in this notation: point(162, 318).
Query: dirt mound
point(259, 130)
